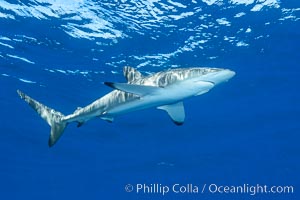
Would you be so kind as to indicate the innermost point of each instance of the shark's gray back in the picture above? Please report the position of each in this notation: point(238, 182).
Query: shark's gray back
point(171, 76)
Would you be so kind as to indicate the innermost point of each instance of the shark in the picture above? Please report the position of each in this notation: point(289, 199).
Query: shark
point(165, 90)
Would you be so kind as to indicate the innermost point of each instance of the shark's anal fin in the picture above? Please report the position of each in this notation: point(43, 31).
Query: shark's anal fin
point(140, 90)
point(175, 111)
point(80, 124)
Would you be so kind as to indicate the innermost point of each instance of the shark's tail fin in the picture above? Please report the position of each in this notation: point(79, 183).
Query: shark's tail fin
point(52, 117)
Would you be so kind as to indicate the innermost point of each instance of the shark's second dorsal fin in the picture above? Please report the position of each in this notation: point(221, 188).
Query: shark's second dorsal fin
point(131, 74)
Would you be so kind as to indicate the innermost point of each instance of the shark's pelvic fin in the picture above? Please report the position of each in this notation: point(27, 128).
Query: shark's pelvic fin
point(175, 111)
point(131, 74)
point(52, 117)
point(140, 90)
point(108, 119)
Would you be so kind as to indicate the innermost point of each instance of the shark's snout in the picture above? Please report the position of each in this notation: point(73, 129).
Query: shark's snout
point(230, 74)
point(221, 76)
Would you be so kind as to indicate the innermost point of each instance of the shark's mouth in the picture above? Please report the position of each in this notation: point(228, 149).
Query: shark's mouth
point(209, 82)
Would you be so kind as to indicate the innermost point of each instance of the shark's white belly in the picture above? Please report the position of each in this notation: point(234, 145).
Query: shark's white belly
point(163, 96)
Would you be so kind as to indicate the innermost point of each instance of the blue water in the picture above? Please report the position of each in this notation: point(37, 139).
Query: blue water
point(60, 52)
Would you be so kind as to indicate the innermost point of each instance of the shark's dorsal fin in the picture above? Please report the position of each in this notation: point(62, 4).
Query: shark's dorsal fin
point(131, 74)
point(175, 111)
point(140, 90)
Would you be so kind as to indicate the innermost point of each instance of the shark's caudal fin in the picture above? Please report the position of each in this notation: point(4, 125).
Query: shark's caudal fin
point(52, 117)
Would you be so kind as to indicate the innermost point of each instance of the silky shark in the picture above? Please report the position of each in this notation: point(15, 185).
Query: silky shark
point(164, 90)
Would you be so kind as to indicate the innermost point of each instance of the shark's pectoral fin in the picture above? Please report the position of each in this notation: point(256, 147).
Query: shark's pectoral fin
point(140, 90)
point(175, 111)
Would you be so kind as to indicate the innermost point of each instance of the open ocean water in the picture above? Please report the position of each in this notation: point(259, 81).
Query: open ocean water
point(245, 132)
